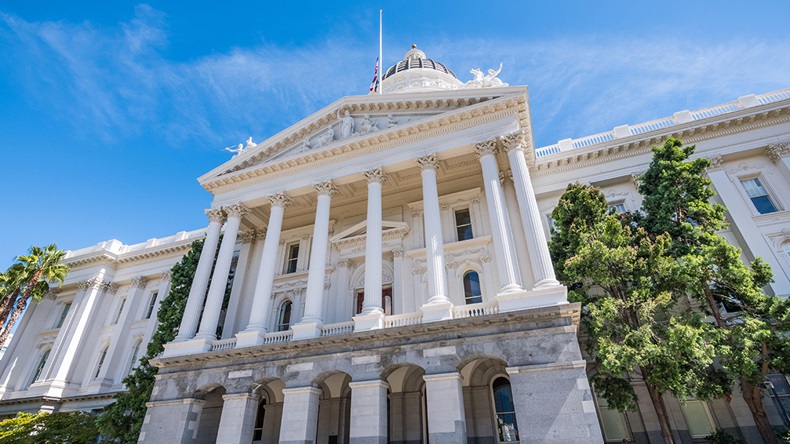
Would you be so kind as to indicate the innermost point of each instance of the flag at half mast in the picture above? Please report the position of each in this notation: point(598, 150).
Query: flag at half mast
point(374, 85)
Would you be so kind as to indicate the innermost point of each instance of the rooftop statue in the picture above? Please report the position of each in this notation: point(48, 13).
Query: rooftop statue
point(236, 151)
point(250, 144)
point(488, 81)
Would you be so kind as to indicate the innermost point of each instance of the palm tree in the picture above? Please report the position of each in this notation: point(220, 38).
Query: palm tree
point(37, 269)
point(11, 283)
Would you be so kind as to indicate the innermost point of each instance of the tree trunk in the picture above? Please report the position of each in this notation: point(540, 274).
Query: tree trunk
point(658, 404)
point(20, 307)
point(8, 303)
point(752, 396)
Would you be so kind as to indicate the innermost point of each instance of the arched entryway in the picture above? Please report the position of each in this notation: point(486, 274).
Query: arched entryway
point(211, 413)
point(266, 429)
point(334, 408)
point(407, 419)
point(488, 401)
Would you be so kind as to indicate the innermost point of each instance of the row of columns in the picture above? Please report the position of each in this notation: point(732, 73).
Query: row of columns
point(299, 423)
point(438, 305)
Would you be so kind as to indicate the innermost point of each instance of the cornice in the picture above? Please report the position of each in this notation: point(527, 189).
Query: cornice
point(113, 260)
point(444, 123)
point(692, 132)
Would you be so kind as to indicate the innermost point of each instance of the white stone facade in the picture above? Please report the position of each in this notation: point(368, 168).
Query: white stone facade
point(392, 281)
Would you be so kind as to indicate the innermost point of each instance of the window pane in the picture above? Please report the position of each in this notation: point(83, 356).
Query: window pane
point(285, 316)
point(614, 428)
point(463, 225)
point(507, 427)
point(293, 257)
point(472, 291)
point(697, 418)
point(754, 187)
point(764, 204)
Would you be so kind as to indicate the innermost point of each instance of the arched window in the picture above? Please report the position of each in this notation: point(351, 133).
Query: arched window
point(257, 431)
point(284, 318)
point(101, 361)
point(40, 367)
point(135, 353)
point(472, 292)
point(505, 411)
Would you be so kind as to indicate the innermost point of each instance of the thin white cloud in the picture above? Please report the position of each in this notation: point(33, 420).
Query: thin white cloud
point(118, 82)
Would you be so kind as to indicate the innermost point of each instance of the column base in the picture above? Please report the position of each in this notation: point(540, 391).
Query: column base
point(439, 311)
point(546, 283)
point(306, 331)
point(544, 297)
point(371, 321)
point(250, 338)
point(192, 346)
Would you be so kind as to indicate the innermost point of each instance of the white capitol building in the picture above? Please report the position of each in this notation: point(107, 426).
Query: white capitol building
point(391, 279)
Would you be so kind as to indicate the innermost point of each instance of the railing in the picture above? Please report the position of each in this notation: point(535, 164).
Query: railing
point(592, 140)
point(472, 310)
point(402, 320)
point(652, 125)
point(775, 96)
point(666, 122)
point(224, 344)
point(714, 110)
point(279, 336)
point(337, 329)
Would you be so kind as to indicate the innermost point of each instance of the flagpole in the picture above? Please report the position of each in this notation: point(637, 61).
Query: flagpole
point(381, 61)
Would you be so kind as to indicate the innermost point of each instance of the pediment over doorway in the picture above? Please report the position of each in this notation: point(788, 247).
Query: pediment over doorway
point(354, 237)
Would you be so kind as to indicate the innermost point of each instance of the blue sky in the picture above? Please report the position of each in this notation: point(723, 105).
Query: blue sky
point(109, 111)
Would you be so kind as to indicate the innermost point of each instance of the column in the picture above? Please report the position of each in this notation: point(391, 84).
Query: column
point(372, 316)
point(117, 350)
point(197, 292)
point(87, 307)
point(262, 298)
point(507, 264)
point(438, 306)
point(310, 325)
point(172, 422)
point(219, 280)
point(446, 418)
point(238, 418)
point(742, 220)
point(369, 412)
point(247, 238)
point(300, 415)
point(540, 259)
point(569, 418)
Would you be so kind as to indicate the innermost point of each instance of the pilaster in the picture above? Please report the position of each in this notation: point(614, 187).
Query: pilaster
point(368, 412)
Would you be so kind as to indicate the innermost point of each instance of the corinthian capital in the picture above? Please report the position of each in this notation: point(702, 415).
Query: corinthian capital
point(376, 175)
point(139, 281)
point(248, 236)
point(716, 163)
point(216, 215)
point(236, 210)
point(517, 141)
point(485, 148)
point(280, 199)
point(776, 151)
point(325, 188)
point(428, 162)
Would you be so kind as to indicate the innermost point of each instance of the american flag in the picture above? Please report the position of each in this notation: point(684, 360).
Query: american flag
point(374, 85)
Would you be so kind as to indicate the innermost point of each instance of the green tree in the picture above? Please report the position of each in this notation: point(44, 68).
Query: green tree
point(627, 281)
point(677, 201)
point(45, 428)
point(123, 419)
point(29, 278)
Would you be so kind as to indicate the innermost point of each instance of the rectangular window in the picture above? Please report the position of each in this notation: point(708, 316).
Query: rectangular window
point(613, 422)
point(759, 196)
point(63, 315)
point(779, 391)
point(151, 304)
point(463, 224)
point(698, 418)
point(618, 207)
point(293, 257)
point(120, 311)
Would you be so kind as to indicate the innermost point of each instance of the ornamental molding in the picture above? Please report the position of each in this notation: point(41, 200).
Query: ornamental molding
point(325, 188)
point(691, 133)
point(776, 151)
point(237, 210)
point(280, 199)
point(445, 123)
point(139, 282)
point(428, 162)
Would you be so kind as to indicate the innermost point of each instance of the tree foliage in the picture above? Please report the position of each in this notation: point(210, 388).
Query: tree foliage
point(752, 325)
point(123, 419)
point(630, 288)
point(29, 277)
point(45, 428)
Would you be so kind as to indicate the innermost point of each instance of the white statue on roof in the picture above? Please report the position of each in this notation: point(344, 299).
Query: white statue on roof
point(236, 151)
point(485, 81)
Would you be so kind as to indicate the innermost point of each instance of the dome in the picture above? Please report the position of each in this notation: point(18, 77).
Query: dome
point(416, 59)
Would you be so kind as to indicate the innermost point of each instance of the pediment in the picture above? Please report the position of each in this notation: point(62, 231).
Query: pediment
point(361, 121)
point(357, 234)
